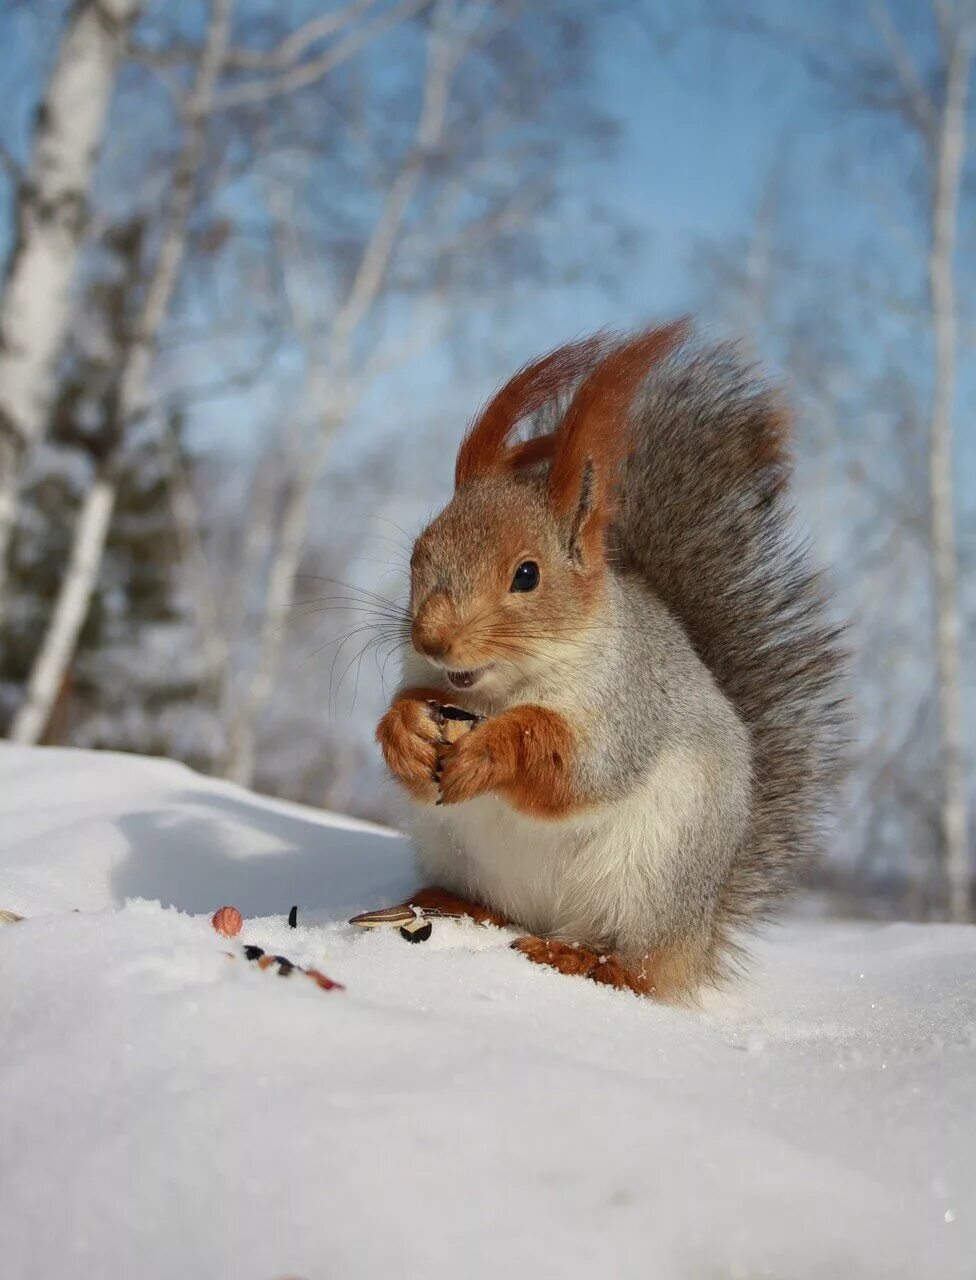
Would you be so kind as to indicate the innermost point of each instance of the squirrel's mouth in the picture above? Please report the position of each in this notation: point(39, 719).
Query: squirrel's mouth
point(465, 679)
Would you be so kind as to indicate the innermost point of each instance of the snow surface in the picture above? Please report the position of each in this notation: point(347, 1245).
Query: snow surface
point(455, 1111)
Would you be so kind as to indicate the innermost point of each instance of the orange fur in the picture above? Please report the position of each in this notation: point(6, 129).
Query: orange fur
point(586, 962)
point(524, 753)
point(532, 387)
point(530, 452)
point(409, 739)
point(435, 626)
point(474, 618)
point(673, 972)
point(595, 429)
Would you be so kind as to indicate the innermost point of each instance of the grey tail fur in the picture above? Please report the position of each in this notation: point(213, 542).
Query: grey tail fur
point(705, 520)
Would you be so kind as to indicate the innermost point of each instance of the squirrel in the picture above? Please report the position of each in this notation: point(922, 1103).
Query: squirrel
point(623, 603)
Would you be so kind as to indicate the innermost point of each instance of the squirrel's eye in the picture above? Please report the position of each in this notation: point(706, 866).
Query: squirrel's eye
point(526, 576)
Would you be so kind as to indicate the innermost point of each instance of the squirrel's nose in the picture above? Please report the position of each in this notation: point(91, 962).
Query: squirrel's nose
point(429, 642)
point(434, 626)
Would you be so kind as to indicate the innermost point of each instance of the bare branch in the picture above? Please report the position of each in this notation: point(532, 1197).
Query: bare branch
point(442, 61)
point(307, 73)
point(903, 66)
point(297, 42)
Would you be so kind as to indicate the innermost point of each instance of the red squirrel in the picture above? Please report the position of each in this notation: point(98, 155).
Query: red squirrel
point(622, 601)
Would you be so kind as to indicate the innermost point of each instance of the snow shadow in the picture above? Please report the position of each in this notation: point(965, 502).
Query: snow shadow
point(202, 851)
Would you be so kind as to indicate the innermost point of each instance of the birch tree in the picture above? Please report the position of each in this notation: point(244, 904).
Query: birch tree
point(946, 145)
point(52, 199)
point(433, 220)
point(295, 63)
point(95, 515)
point(933, 103)
point(911, 67)
point(330, 381)
point(401, 212)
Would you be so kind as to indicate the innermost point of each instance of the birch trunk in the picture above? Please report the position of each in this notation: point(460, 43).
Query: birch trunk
point(241, 735)
point(442, 60)
point(57, 650)
point(949, 154)
point(51, 215)
point(70, 611)
point(187, 526)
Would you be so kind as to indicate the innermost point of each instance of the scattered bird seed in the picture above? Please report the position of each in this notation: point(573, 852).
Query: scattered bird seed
point(418, 930)
point(458, 713)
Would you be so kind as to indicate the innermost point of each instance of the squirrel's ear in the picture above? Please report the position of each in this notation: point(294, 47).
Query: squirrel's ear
point(593, 439)
point(483, 448)
point(530, 453)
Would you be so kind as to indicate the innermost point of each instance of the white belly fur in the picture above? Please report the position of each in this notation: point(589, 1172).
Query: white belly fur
point(593, 876)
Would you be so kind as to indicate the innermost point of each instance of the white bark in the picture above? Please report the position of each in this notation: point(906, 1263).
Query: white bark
point(187, 526)
point(366, 286)
point(52, 210)
point(69, 614)
point(58, 647)
point(950, 146)
point(280, 587)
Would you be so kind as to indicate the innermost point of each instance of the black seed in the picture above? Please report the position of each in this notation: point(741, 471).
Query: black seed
point(417, 935)
point(284, 966)
point(458, 713)
point(293, 917)
point(253, 953)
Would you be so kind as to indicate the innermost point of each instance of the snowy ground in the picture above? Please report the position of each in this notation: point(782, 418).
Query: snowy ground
point(454, 1112)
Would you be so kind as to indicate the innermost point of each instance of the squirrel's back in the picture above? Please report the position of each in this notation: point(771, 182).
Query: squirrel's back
point(704, 519)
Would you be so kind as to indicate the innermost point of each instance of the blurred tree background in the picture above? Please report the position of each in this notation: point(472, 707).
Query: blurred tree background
point(264, 258)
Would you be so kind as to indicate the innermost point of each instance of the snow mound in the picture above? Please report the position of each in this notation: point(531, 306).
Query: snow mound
point(167, 1111)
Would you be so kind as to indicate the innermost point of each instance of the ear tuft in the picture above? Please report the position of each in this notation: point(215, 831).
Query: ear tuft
point(483, 449)
point(529, 453)
point(593, 440)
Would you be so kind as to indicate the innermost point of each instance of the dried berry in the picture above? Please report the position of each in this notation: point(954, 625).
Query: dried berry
point(228, 921)
point(320, 980)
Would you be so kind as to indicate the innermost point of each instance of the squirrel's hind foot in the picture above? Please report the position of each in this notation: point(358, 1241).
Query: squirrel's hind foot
point(586, 962)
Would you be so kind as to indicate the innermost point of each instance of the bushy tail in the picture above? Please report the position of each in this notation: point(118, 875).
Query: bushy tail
point(704, 518)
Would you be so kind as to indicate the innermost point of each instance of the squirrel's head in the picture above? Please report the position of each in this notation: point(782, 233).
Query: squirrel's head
point(510, 574)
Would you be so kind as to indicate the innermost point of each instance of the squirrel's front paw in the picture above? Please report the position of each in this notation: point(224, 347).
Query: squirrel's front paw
point(474, 765)
point(410, 737)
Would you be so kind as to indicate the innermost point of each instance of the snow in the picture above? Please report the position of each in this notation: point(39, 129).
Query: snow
point(455, 1111)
